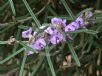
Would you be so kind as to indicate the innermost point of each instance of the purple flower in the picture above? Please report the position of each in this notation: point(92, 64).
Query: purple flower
point(71, 27)
point(80, 21)
point(27, 33)
point(51, 30)
point(57, 21)
point(75, 25)
point(39, 44)
point(57, 38)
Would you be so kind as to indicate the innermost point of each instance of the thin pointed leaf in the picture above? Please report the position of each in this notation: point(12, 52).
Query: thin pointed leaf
point(2, 8)
point(12, 7)
point(11, 56)
point(73, 53)
point(51, 10)
point(36, 68)
point(22, 65)
point(31, 13)
point(49, 61)
point(3, 42)
point(84, 30)
point(17, 37)
point(68, 9)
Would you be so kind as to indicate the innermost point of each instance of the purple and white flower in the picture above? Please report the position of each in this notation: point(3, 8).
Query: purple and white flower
point(39, 44)
point(57, 38)
point(51, 30)
point(71, 27)
point(27, 33)
point(80, 21)
point(58, 21)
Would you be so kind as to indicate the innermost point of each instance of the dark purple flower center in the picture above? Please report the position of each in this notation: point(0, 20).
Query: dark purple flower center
point(55, 21)
point(69, 29)
point(27, 33)
point(52, 29)
point(57, 38)
point(40, 45)
point(74, 26)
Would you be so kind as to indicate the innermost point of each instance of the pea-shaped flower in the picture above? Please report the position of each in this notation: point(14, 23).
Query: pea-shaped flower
point(58, 21)
point(51, 30)
point(27, 33)
point(39, 44)
point(57, 38)
point(71, 27)
point(80, 21)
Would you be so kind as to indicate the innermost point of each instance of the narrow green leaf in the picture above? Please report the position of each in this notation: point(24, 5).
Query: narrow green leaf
point(84, 30)
point(17, 37)
point(4, 5)
point(36, 68)
point(11, 56)
point(49, 61)
point(77, 71)
point(31, 13)
point(22, 65)
point(51, 10)
point(3, 42)
point(74, 55)
point(91, 32)
point(68, 9)
point(12, 7)
point(23, 27)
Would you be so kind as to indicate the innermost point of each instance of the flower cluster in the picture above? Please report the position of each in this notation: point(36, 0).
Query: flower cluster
point(53, 32)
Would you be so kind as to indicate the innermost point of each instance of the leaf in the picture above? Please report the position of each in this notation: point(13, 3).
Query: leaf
point(49, 61)
point(12, 7)
point(74, 55)
point(3, 7)
point(31, 13)
point(37, 67)
point(22, 65)
point(68, 9)
point(84, 30)
point(11, 56)
point(17, 38)
point(23, 27)
point(3, 42)
point(51, 10)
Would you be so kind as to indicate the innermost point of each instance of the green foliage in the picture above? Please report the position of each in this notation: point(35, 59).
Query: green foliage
point(85, 48)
